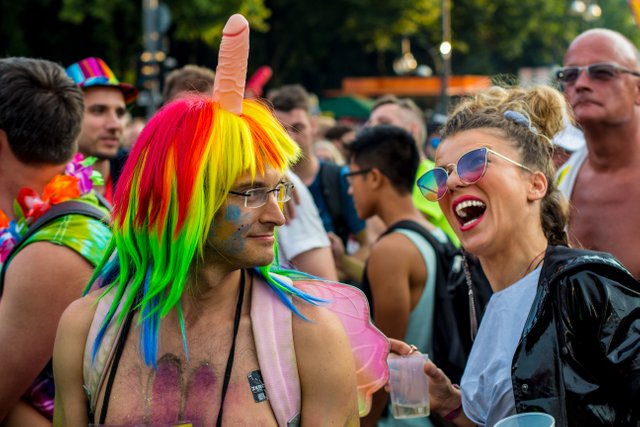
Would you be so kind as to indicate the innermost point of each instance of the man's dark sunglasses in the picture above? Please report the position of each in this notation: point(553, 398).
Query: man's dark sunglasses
point(350, 175)
point(602, 72)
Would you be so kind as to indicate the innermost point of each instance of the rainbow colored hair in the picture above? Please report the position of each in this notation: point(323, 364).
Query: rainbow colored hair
point(185, 161)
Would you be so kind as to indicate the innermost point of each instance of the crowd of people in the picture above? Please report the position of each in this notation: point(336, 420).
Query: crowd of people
point(148, 276)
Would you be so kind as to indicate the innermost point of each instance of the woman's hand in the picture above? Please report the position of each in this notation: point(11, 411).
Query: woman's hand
point(443, 397)
point(400, 348)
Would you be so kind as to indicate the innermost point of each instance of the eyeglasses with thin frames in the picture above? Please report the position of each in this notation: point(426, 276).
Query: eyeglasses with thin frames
point(470, 167)
point(257, 197)
point(601, 72)
point(350, 175)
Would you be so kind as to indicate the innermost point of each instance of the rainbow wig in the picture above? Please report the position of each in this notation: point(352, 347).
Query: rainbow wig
point(187, 158)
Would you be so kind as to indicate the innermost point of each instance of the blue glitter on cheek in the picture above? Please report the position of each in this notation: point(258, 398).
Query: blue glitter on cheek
point(233, 213)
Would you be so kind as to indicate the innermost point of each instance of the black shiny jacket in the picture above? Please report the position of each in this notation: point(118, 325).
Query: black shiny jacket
point(578, 358)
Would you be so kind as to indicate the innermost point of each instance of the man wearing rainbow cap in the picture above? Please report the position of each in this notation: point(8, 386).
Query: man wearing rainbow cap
point(196, 325)
point(105, 102)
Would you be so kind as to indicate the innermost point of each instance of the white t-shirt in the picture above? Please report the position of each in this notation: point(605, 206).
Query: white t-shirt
point(568, 172)
point(305, 231)
point(487, 390)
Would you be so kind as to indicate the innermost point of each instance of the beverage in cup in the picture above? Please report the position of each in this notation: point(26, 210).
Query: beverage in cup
point(409, 386)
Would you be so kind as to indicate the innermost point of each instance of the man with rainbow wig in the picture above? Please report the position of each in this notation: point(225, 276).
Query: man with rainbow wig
point(195, 324)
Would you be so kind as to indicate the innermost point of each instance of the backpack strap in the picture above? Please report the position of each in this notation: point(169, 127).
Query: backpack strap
point(408, 224)
point(71, 207)
point(271, 321)
point(95, 368)
point(439, 246)
point(103, 201)
point(330, 186)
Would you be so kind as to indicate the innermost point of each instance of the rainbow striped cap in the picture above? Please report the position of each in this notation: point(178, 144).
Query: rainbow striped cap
point(95, 72)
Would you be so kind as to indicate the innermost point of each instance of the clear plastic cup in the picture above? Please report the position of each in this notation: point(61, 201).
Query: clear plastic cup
point(529, 419)
point(409, 386)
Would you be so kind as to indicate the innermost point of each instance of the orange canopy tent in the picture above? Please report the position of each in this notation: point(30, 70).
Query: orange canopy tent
point(411, 86)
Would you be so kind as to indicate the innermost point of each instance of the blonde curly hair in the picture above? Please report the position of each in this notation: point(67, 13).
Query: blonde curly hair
point(541, 110)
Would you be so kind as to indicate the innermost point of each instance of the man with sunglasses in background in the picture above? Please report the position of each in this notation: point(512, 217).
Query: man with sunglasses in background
point(601, 81)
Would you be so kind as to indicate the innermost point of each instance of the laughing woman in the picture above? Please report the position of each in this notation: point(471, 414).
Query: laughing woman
point(561, 333)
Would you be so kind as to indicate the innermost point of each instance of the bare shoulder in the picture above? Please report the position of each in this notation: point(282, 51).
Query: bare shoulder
point(68, 356)
point(326, 367)
point(320, 338)
point(48, 253)
point(51, 268)
point(320, 321)
point(78, 316)
point(394, 248)
point(71, 336)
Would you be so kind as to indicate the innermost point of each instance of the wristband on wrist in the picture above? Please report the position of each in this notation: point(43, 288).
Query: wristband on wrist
point(456, 412)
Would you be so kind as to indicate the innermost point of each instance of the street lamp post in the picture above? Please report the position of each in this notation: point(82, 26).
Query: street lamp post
point(445, 52)
point(150, 67)
point(156, 18)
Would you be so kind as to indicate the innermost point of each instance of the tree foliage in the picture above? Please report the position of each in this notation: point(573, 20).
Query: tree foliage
point(316, 44)
point(377, 24)
point(499, 36)
point(203, 20)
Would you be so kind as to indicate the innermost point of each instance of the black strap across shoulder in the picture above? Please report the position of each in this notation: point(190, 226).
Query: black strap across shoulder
point(408, 224)
point(71, 207)
point(405, 225)
point(122, 339)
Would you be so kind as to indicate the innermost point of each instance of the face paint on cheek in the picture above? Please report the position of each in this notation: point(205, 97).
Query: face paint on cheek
point(233, 213)
point(229, 234)
point(225, 227)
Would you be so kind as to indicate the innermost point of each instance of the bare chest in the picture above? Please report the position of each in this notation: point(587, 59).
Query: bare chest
point(605, 215)
point(185, 390)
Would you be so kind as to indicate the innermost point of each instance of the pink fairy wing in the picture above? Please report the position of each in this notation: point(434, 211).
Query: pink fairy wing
point(370, 347)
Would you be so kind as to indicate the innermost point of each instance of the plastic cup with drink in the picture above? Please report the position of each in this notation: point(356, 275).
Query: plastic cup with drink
point(409, 386)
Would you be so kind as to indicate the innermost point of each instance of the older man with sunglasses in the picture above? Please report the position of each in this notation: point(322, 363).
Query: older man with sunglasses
point(600, 80)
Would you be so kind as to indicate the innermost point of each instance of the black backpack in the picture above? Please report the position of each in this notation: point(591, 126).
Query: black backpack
point(330, 184)
point(459, 303)
point(56, 211)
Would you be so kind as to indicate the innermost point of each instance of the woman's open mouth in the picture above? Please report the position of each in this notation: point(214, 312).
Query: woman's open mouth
point(469, 211)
